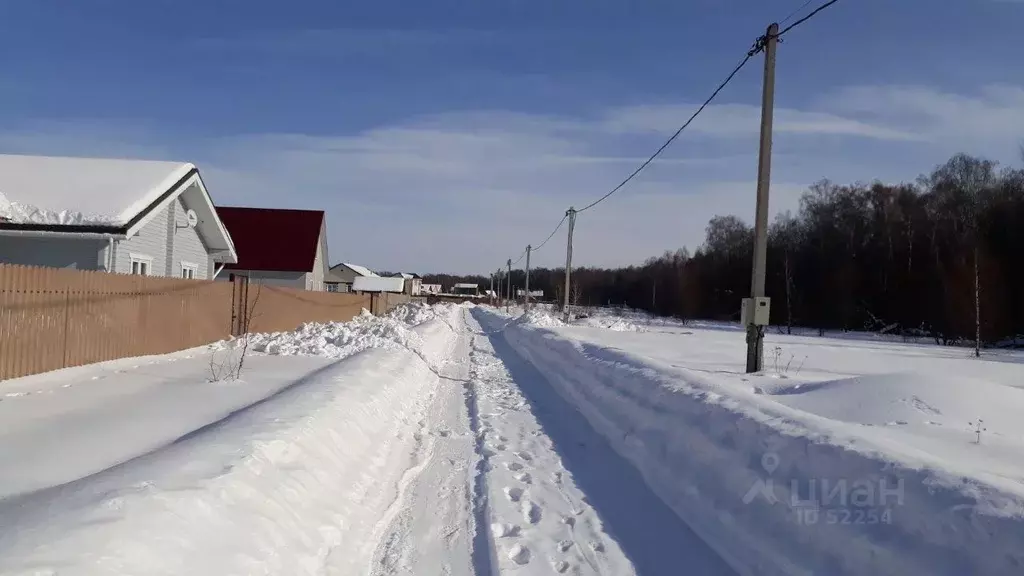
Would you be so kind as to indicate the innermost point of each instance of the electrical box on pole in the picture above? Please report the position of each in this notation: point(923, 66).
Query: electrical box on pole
point(755, 330)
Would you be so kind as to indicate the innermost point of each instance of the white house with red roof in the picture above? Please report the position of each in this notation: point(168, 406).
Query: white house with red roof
point(278, 246)
point(142, 217)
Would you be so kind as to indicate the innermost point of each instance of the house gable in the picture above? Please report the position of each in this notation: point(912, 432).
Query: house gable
point(274, 240)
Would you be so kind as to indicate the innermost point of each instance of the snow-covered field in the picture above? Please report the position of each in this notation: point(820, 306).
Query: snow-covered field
point(460, 440)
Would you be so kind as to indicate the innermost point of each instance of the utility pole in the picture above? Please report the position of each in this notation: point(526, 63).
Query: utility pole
point(491, 295)
point(571, 213)
point(755, 332)
point(509, 292)
point(526, 296)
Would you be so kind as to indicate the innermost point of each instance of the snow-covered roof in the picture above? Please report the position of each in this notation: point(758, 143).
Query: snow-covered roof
point(474, 286)
point(361, 270)
point(82, 191)
point(405, 275)
point(377, 284)
point(57, 195)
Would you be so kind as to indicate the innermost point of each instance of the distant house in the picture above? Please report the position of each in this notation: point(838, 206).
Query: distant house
point(368, 284)
point(341, 276)
point(126, 216)
point(278, 247)
point(430, 289)
point(413, 282)
point(466, 289)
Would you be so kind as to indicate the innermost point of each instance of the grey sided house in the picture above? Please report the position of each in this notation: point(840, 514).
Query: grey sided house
point(278, 247)
point(126, 216)
point(341, 276)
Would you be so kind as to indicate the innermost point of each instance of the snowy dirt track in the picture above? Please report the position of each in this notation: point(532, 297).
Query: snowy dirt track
point(418, 443)
point(457, 440)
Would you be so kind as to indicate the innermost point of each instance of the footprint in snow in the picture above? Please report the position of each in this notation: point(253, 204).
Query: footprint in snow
point(568, 521)
point(524, 456)
point(513, 494)
point(560, 566)
point(564, 545)
point(597, 547)
point(514, 466)
point(519, 554)
point(498, 447)
point(504, 530)
point(523, 477)
point(531, 512)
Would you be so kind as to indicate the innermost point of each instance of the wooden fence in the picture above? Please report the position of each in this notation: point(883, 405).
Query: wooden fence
point(54, 318)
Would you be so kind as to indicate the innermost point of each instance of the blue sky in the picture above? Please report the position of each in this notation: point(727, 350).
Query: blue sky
point(446, 135)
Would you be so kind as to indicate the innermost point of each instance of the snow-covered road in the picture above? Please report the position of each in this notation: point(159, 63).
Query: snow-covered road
point(434, 449)
point(457, 440)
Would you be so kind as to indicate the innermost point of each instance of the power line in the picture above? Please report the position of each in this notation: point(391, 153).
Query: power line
point(560, 222)
point(757, 48)
point(794, 12)
point(541, 245)
point(808, 17)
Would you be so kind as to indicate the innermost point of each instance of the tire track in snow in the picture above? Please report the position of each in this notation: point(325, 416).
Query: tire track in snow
point(534, 520)
point(483, 549)
point(430, 524)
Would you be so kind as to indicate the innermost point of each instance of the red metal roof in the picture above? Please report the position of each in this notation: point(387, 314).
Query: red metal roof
point(273, 240)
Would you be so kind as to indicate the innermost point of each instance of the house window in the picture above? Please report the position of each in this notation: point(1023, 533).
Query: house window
point(188, 270)
point(142, 265)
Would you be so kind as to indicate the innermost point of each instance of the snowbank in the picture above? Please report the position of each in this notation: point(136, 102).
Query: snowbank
point(342, 339)
point(291, 484)
point(539, 318)
point(765, 486)
point(609, 323)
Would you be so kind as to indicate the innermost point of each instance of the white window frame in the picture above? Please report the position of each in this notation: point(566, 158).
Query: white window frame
point(141, 259)
point(190, 267)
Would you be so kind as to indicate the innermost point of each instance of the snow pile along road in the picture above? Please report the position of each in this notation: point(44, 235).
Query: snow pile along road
point(309, 479)
point(773, 481)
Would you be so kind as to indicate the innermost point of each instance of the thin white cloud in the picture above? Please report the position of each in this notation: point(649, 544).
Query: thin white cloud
point(464, 191)
point(988, 122)
point(730, 120)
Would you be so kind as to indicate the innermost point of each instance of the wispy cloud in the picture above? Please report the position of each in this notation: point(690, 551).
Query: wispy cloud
point(730, 120)
point(463, 191)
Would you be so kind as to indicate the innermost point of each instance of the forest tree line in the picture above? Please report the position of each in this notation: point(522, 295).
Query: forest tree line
point(943, 257)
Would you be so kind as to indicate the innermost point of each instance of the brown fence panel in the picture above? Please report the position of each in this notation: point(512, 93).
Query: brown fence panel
point(53, 318)
point(278, 309)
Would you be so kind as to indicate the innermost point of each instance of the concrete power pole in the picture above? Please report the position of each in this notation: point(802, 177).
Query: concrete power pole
point(571, 213)
point(755, 329)
point(491, 295)
point(509, 292)
point(526, 297)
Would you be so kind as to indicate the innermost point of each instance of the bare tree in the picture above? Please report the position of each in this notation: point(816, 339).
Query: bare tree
point(230, 366)
point(961, 184)
point(575, 294)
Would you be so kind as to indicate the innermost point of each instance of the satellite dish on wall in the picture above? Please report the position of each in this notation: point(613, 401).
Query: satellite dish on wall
point(191, 218)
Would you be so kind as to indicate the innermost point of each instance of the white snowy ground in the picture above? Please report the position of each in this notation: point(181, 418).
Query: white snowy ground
point(457, 440)
point(402, 445)
point(884, 424)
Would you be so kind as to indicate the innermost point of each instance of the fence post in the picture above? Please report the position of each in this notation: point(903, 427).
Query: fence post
point(67, 314)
